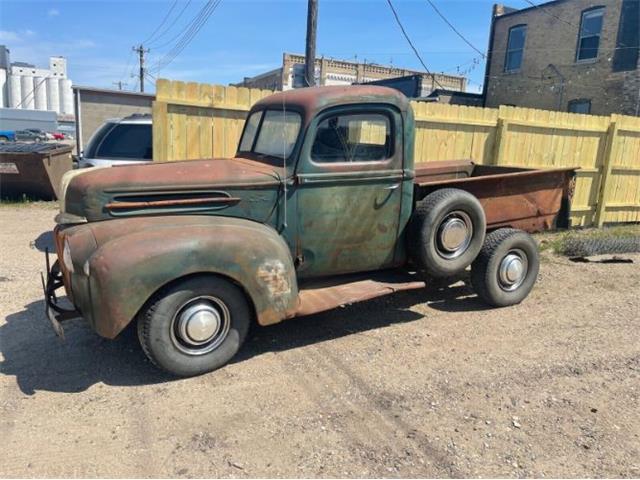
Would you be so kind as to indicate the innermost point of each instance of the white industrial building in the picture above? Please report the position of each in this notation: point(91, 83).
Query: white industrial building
point(25, 86)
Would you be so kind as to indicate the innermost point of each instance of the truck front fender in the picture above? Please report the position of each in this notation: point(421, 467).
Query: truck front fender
point(126, 270)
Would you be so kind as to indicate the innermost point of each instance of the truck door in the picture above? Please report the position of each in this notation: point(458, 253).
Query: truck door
point(349, 191)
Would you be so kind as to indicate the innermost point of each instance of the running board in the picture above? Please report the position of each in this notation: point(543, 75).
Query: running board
point(326, 294)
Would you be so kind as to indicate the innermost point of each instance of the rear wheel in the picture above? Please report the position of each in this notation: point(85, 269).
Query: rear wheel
point(506, 268)
point(446, 232)
point(194, 326)
point(3, 138)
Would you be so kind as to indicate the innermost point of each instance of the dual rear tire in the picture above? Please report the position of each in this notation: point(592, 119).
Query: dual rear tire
point(447, 234)
point(506, 268)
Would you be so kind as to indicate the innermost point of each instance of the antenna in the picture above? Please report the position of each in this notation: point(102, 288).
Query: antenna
point(284, 159)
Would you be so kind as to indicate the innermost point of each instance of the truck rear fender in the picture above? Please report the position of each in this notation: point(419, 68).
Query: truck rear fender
point(128, 270)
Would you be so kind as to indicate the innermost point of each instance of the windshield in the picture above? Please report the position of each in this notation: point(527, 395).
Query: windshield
point(271, 133)
point(124, 140)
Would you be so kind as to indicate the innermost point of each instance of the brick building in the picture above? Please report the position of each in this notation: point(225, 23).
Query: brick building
point(569, 55)
point(341, 72)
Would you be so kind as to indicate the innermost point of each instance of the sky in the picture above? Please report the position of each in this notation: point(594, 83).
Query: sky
point(241, 38)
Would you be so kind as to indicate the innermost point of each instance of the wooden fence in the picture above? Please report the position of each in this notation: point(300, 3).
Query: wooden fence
point(192, 120)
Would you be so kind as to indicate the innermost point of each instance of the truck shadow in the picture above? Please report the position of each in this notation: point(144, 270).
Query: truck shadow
point(40, 361)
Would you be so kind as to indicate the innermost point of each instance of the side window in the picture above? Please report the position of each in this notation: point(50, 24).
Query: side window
point(515, 48)
point(589, 35)
point(353, 137)
point(580, 106)
point(246, 143)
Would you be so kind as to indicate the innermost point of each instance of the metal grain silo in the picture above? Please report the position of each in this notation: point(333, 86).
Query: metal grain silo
point(40, 93)
point(15, 91)
point(27, 100)
point(3, 88)
point(53, 94)
point(66, 96)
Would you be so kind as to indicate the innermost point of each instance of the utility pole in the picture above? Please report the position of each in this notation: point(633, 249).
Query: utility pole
point(119, 84)
point(310, 50)
point(141, 51)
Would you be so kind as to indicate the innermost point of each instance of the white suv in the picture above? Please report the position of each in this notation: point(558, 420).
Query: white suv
point(120, 141)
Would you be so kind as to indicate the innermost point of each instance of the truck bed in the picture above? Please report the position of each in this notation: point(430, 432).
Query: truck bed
point(530, 199)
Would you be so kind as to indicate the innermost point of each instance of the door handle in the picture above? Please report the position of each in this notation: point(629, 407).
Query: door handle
point(392, 187)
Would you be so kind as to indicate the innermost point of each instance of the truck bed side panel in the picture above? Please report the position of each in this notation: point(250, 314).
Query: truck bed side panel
point(532, 200)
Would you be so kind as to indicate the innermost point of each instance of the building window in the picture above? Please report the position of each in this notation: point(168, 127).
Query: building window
point(515, 48)
point(589, 35)
point(580, 106)
point(627, 51)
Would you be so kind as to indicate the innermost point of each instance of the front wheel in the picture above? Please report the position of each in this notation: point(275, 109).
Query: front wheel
point(194, 326)
point(506, 268)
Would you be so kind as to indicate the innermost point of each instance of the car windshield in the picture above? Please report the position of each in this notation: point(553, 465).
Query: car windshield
point(122, 141)
point(271, 133)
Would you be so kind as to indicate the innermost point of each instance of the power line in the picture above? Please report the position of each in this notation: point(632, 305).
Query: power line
point(126, 68)
point(406, 36)
point(196, 25)
point(457, 32)
point(166, 17)
point(187, 34)
point(164, 32)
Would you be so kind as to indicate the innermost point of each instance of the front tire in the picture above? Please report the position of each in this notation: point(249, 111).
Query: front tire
point(506, 268)
point(194, 326)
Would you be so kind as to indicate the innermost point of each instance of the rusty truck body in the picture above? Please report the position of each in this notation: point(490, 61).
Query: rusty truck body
point(321, 206)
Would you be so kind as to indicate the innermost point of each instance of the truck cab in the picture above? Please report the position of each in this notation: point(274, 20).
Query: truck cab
point(321, 206)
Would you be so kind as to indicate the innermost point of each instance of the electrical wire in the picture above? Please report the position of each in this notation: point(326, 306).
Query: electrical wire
point(406, 36)
point(166, 30)
point(164, 20)
point(456, 31)
point(196, 25)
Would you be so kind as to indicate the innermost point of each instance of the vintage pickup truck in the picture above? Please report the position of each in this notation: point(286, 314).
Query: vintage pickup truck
point(321, 206)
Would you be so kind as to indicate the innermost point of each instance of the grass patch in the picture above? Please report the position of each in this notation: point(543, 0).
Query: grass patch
point(26, 201)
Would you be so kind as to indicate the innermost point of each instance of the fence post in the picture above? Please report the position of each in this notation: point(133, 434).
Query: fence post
point(160, 131)
point(499, 146)
point(605, 174)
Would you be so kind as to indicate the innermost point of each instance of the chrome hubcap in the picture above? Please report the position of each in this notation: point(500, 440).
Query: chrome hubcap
point(454, 234)
point(513, 270)
point(200, 325)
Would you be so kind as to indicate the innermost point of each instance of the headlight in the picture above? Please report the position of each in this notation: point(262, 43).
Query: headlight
point(66, 256)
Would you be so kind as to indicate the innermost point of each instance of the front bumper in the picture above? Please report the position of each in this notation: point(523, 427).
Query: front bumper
point(54, 281)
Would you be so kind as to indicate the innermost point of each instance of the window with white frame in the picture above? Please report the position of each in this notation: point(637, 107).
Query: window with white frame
point(589, 34)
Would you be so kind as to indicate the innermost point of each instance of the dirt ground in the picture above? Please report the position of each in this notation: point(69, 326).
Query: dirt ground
point(425, 383)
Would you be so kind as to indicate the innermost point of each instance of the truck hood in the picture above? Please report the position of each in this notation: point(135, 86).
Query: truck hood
point(232, 187)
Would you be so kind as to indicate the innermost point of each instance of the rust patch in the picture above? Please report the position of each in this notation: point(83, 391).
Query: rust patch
point(274, 276)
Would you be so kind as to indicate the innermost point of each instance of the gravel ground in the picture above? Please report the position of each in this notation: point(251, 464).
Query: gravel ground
point(424, 383)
